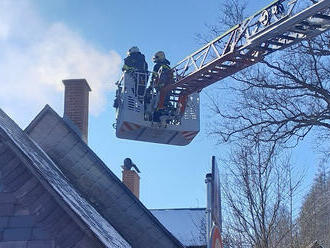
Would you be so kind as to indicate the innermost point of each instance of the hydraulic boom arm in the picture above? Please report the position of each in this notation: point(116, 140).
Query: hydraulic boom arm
point(277, 26)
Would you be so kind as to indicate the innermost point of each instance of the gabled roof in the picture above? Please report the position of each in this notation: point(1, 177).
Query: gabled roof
point(95, 181)
point(187, 224)
point(50, 176)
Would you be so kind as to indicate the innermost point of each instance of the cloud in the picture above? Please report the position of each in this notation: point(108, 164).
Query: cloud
point(35, 56)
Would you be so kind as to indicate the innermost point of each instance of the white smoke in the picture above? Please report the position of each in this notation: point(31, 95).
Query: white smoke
point(35, 56)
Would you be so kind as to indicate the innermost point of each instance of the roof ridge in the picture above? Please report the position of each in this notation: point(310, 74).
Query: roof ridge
point(52, 178)
point(105, 171)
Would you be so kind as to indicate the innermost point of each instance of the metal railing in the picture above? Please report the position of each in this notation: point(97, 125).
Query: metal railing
point(275, 27)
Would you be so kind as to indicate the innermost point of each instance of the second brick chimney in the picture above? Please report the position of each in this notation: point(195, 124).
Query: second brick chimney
point(130, 177)
point(76, 104)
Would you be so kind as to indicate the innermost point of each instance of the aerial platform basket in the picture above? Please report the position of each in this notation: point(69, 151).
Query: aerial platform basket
point(279, 25)
point(132, 121)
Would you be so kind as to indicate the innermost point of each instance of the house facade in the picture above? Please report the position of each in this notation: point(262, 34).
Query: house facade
point(55, 192)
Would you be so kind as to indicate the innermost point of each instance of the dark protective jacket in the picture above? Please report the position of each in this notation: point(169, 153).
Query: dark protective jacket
point(161, 77)
point(165, 65)
point(135, 61)
point(159, 64)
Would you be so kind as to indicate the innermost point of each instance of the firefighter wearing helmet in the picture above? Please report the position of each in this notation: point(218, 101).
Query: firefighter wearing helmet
point(161, 65)
point(135, 61)
point(136, 64)
point(160, 61)
point(162, 76)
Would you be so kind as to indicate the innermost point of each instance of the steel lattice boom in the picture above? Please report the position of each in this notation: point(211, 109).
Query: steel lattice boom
point(279, 25)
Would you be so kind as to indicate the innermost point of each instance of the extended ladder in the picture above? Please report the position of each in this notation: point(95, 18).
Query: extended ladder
point(277, 26)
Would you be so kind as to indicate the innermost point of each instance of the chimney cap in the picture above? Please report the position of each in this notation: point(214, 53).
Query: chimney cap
point(128, 164)
point(67, 82)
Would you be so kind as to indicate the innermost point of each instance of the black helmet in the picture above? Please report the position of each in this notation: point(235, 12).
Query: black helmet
point(158, 57)
point(133, 49)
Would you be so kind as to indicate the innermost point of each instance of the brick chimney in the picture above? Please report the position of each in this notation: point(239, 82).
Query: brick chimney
point(76, 104)
point(130, 177)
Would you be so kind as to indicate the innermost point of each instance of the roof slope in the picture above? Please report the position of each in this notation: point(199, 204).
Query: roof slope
point(95, 181)
point(187, 224)
point(55, 182)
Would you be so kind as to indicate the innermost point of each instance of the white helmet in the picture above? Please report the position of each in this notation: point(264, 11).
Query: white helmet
point(158, 57)
point(133, 49)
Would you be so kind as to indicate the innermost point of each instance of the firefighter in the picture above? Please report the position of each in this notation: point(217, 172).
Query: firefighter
point(162, 76)
point(135, 63)
point(160, 63)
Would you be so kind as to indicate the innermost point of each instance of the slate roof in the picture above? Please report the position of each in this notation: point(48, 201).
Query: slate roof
point(97, 184)
point(187, 224)
point(47, 172)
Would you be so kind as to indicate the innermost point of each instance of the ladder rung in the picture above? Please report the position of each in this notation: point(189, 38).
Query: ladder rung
point(214, 72)
point(226, 66)
point(219, 67)
point(301, 32)
point(276, 43)
point(305, 31)
point(202, 79)
point(207, 76)
point(325, 17)
point(306, 23)
point(300, 29)
point(237, 60)
point(287, 37)
point(246, 57)
point(266, 49)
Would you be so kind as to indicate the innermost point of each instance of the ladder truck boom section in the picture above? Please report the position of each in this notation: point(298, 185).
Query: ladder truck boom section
point(141, 113)
point(277, 26)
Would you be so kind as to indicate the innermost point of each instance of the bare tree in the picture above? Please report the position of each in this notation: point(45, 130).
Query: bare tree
point(280, 100)
point(262, 109)
point(257, 194)
point(314, 218)
point(233, 13)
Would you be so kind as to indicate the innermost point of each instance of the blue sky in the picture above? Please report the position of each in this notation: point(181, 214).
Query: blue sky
point(44, 41)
